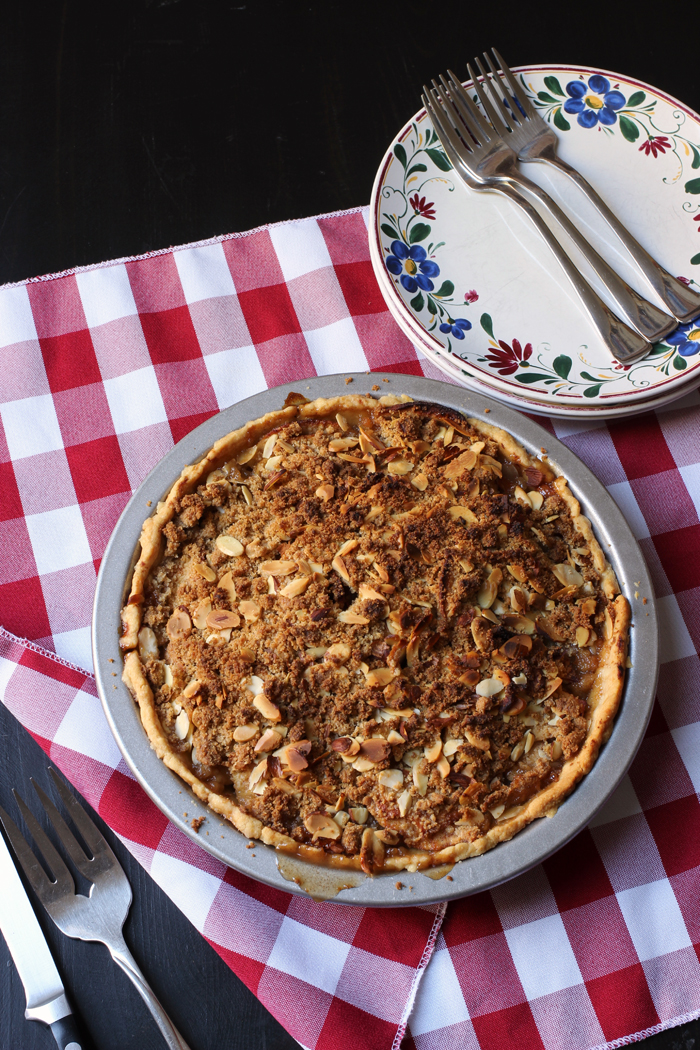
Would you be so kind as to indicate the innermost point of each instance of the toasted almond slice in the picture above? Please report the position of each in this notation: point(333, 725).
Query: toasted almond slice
point(339, 565)
point(452, 746)
point(339, 652)
point(226, 584)
point(247, 655)
point(443, 767)
point(273, 464)
point(247, 495)
point(255, 685)
point(321, 826)
point(348, 616)
point(325, 492)
point(391, 778)
point(404, 802)
point(368, 593)
point(487, 595)
point(518, 573)
point(243, 733)
point(340, 444)
point(582, 636)
point(456, 511)
point(467, 461)
point(348, 546)
point(295, 587)
point(345, 745)
point(201, 613)
point(148, 646)
point(529, 741)
point(230, 546)
point(168, 674)
point(249, 610)
point(277, 568)
point(178, 625)
point(359, 814)
point(258, 773)
point(342, 421)
point(246, 455)
point(567, 575)
point(521, 496)
point(517, 751)
point(363, 765)
point(551, 688)
point(204, 570)
point(497, 812)
point(420, 482)
point(421, 781)
point(192, 688)
point(433, 751)
point(373, 513)
point(381, 676)
point(556, 750)
point(269, 446)
point(536, 499)
point(268, 741)
point(182, 725)
point(376, 749)
point(266, 708)
point(394, 737)
point(493, 464)
point(481, 634)
point(489, 687)
point(372, 439)
point(521, 624)
point(222, 619)
point(400, 466)
point(477, 741)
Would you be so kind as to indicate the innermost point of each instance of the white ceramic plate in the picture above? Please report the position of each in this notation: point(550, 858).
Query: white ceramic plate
point(452, 258)
point(453, 367)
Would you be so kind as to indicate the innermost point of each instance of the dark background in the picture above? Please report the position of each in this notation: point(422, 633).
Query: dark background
point(133, 126)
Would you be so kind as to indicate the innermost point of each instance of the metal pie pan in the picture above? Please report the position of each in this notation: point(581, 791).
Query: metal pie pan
point(528, 848)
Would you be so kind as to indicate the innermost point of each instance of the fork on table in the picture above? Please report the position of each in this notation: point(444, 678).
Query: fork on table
point(485, 162)
point(99, 917)
point(529, 135)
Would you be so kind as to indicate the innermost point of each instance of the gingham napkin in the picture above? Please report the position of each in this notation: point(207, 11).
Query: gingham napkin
point(102, 370)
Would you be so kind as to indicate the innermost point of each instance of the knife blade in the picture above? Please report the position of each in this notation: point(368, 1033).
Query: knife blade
point(46, 997)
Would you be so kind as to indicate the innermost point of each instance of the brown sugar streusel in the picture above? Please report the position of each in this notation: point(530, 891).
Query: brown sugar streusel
point(376, 632)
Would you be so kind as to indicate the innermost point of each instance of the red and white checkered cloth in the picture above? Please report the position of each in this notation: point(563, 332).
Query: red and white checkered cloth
point(102, 370)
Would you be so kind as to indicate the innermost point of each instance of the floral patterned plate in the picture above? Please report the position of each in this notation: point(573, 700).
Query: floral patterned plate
point(472, 279)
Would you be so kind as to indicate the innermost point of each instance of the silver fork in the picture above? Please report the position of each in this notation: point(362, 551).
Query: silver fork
point(639, 314)
point(534, 140)
point(484, 162)
point(99, 917)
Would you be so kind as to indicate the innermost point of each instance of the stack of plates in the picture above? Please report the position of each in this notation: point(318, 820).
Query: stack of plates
point(470, 282)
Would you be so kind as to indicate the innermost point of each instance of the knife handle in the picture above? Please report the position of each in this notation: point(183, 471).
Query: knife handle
point(68, 1036)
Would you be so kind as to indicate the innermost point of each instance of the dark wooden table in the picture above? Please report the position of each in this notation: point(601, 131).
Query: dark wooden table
point(133, 126)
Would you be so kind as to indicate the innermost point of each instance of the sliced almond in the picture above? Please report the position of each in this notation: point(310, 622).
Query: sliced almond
point(338, 653)
point(268, 741)
point(517, 751)
point(521, 624)
point(456, 511)
point(178, 625)
point(321, 826)
point(255, 685)
point(404, 802)
point(348, 616)
point(362, 764)
point(420, 482)
point(258, 773)
point(339, 565)
point(481, 634)
point(247, 655)
point(340, 444)
point(222, 619)
point(246, 455)
point(582, 636)
point(359, 814)
point(243, 733)
point(420, 780)
point(247, 495)
point(295, 587)
point(400, 466)
point(375, 749)
point(345, 745)
point(148, 646)
point(250, 611)
point(391, 778)
point(567, 575)
point(487, 595)
point(394, 737)
point(551, 688)
point(529, 741)
point(452, 746)
point(457, 467)
point(368, 593)
point(443, 767)
point(266, 708)
point(536, 499)
point(518, 573)
point(380, 676)
point(477, 741)
point(277, 568)
point(182, 725)
point(201, 614)
point(269, 446)
point(192, 688)
point(325, 492)
point(295, 759)
point(168, 674)
point(433, 751)
point(230, 546)
point(342, 421)
point(489, 687)
point(226, 584)
point(205, 571)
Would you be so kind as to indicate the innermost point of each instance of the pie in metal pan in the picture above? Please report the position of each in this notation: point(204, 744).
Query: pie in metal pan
point(356, 667)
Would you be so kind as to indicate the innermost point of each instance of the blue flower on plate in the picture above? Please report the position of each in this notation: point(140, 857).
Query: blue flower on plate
point(686, 339)
point(412, 266)
point(594, 101)
point(456, 328)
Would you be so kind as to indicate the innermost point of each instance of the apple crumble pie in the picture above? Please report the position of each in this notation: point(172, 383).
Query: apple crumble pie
point(374, 633)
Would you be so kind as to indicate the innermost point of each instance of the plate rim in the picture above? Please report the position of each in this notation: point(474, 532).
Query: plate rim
point(631, 396)
point(508, 860)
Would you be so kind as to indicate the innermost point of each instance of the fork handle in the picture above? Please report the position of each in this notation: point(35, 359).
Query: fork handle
point(681, 300)
point(123, 958)
point(639, 314)
point(624, 344)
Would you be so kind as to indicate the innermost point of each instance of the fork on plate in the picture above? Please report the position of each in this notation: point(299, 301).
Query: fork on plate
point(526, 131)
point(485, 162)
point(99, 917)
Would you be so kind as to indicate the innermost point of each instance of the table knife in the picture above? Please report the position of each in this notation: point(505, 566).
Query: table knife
point(46, 997)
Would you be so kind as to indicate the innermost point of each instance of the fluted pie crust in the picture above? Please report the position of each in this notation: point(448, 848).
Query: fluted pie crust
point(386, 638)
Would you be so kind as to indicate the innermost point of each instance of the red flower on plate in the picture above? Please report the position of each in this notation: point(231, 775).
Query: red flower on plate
point(471, 296)
point(420, 206)
point(655, 144)
point(508, 359)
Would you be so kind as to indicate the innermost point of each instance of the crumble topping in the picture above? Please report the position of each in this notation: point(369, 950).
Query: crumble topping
point(377, 632)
